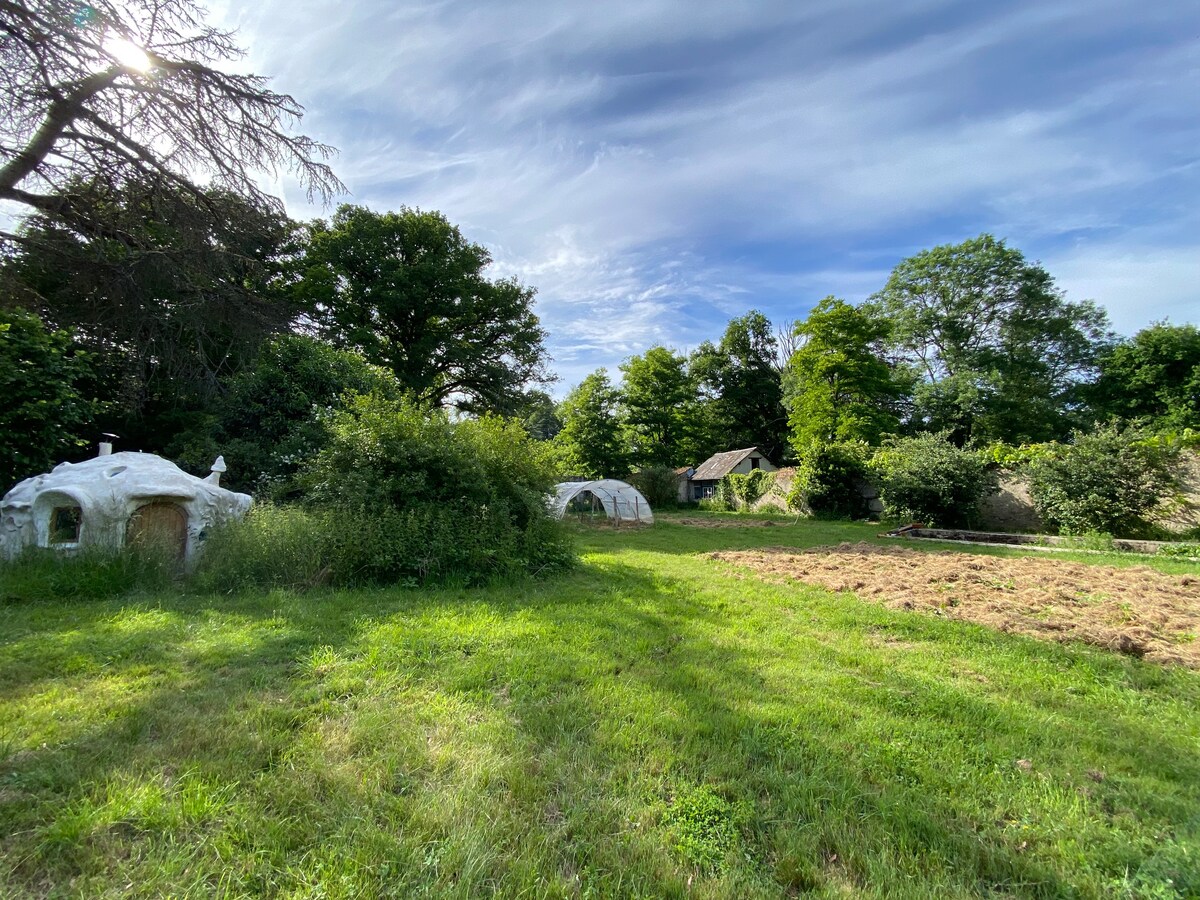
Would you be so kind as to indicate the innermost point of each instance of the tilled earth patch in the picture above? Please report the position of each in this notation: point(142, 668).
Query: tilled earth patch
point(1134, 610)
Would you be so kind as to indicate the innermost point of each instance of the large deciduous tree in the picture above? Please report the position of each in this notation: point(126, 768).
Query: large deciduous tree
point(93, 95)
point(409, 292)
point(1153, 377)
point(1001, 350)
point(740, 383)
point(591, 443)
point(659, 403)
point(838, 386)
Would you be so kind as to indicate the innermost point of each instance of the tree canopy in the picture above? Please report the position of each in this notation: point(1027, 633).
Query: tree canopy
point(183, 301)
point(739, 379)
point(838, 385)
point(657, 397)
point(1001, 351)
point(44, 407)
point(409, 292)
point(1153, 377)
point(591, 443)
point(94, 95)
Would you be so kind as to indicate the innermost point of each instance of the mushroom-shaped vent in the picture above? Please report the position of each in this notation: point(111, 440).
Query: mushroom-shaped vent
point(218, 467)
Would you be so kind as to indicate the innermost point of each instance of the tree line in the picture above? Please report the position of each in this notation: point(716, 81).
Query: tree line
point(971, 341)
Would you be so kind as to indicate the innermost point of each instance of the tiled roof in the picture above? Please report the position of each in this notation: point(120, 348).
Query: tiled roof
point(721, 464)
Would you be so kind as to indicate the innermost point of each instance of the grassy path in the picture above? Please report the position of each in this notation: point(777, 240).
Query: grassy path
point(650, 724)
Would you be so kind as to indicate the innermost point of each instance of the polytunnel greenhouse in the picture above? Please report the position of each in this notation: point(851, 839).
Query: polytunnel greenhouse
point(620, 501)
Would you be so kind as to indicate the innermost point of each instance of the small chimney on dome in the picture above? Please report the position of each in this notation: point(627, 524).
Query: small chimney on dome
point(106, 446)
point(218, 466)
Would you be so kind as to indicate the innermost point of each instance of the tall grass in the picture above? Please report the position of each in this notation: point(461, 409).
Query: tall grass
point(297, 547)
point(41, 575)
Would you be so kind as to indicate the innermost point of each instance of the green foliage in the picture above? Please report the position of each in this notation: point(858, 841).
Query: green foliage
point(590, 443)
point(1154, 378)
point(1180, 550)
point(706, 828)
point(658, 484)
point(171, 293)
point(838, 385)
point(466, 499)
point(1104, 480)
point(50, 576)
point(539, 413)
point(43, 412)
point(275, 415)
point(1000, 350)
point(739, 491)
point(299, 548)
point(740, 389)
point(828, 480)
point(408, 291)
point(658, 399)
point(1008, 456)
point(928, 479)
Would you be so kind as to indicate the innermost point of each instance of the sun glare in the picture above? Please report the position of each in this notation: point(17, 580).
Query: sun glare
point(128, 54)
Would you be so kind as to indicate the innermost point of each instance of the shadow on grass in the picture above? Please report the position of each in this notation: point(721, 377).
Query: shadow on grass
point(536, 734)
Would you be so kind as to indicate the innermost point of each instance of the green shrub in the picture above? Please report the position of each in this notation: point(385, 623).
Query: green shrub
point(658, 484)
point(401, 494)
point(44, 414)
point(738, 491)
point(1106, 480)
point(1180, 551)
point(928, 479)
point(275, 415)
point(828, 480)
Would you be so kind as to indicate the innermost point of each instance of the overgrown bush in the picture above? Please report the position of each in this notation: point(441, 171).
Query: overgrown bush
point(1106, 480)
point(658, 484)
point(928, 479)
point(738, 491)
point(295, 547)
point(828, 480)
point(401, 494)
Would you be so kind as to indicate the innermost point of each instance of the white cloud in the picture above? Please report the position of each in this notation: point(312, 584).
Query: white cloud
point(608, 154)
point(1135, 284)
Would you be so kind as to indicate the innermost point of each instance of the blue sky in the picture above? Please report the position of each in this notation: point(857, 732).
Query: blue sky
point(655, 168)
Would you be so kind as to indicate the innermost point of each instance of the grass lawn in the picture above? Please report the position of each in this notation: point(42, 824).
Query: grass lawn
point(651, 724)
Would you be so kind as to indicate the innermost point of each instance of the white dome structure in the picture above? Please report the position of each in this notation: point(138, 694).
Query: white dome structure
point(621, 501)
point(117, 500)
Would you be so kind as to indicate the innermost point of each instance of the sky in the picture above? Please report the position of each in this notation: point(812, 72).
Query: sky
point(654, 168)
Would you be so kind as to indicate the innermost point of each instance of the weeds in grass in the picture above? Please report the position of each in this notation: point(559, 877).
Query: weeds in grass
point(707, 828)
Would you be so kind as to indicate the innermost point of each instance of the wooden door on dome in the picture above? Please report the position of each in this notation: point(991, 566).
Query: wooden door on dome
point(160, 526)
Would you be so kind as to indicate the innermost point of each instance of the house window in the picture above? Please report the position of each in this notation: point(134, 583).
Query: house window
point(754, 461)
point(65, 524)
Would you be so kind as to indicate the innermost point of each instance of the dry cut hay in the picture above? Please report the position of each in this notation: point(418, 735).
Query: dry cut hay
point(1134, 610)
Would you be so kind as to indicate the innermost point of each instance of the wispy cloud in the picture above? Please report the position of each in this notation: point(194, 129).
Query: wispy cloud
point(656, 167)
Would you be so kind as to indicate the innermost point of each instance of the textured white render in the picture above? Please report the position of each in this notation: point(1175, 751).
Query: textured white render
point(621, 501)
point(108, 490)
